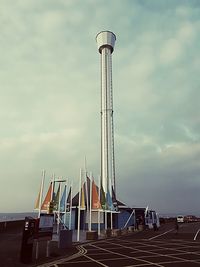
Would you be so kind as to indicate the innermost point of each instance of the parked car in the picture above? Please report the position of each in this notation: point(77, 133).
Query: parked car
point(180, 219)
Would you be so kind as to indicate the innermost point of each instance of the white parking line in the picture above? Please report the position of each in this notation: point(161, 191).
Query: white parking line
point(161, 246)
point(196, 235)
point(125, 256)
point(100, 263)
point(158, 254)
point(160, 234)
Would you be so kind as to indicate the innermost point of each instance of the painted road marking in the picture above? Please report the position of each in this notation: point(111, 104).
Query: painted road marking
point(182, 244)
point(80, 253)
point(161, 246)
point(160, 234)
point(196, 235)
point(145, 262)
point(182, 247)
point(96, 261)
point(125, 256)
point(157, 254)
point(153, 264)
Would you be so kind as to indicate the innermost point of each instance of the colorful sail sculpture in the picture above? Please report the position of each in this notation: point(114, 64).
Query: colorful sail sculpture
point(63, 200)
point(69, 200)
point(109, 202)
point(83, 206)
point(103, 198)
point(47, 200)
point(56, 199)
point(87, 190)
point(96, 204)
point(114, 199)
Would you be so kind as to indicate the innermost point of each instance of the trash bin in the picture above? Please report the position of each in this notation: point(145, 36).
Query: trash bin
point(65, 239)
point(27, 240)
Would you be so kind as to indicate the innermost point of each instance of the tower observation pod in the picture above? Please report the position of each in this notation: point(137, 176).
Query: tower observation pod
point(105, 42)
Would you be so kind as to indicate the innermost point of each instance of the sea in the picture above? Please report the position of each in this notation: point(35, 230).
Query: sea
point(5, 217)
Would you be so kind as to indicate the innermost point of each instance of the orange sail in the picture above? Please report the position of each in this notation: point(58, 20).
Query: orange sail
point(45, 204)
point(96, 204)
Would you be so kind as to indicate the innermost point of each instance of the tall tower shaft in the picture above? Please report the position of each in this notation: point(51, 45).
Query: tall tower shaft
point(105, 42)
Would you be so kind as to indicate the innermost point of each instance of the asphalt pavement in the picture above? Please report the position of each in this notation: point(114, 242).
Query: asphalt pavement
point(165, 248)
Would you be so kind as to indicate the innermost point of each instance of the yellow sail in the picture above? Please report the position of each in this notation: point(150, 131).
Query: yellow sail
point(82, 198)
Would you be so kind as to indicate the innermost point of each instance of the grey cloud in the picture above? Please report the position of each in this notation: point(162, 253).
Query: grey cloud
point(50, 97)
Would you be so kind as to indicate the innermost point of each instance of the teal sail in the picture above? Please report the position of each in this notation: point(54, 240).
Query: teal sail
point(109, 202)
point(63, 200)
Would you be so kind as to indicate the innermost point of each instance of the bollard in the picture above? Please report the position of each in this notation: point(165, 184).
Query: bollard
point(65, 239)
point(108, 232)
point(92, 235)
point(131, 229)
point(116, 232)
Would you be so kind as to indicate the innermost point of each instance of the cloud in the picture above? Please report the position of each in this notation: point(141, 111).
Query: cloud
point(50, 97)
point(171, 51)
point(170, 177)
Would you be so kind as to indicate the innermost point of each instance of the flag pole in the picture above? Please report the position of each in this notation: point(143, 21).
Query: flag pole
point(105, 217)
point(111, 219)
point(79, 209)
point(99, 225)
point(52, 196)
point(70, 208)
point(90, 221)
point(86, 189)
point(87, 194)
point(41, 193)
point(87, 199)
point(65, 204)
point(39, 212)
point(58, 223)
point(53, 185)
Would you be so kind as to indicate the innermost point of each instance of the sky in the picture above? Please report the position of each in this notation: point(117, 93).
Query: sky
point(50, 98)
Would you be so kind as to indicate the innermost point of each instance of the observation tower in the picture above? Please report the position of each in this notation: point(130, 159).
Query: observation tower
point(106, 42)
